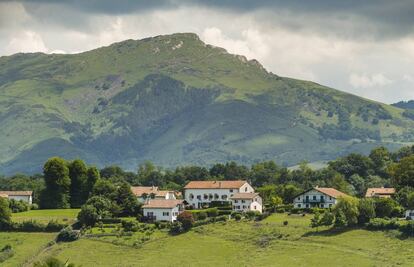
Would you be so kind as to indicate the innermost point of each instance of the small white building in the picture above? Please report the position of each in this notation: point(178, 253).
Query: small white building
point(163, 209)
point(26, 196)
point(200, 193)
point(318, 197)
point(144, 193)
point(409, 214)
point(247, 202)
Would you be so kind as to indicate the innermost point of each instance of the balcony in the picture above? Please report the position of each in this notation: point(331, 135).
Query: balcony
point(313, 201)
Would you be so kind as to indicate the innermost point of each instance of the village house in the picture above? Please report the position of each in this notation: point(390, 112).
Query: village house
point(409, 214)
point(317, 197)
point(144, 193)
point(380, 192)
point(162, 209)
point(246, 202)
point(26, 196)
point(201, 193)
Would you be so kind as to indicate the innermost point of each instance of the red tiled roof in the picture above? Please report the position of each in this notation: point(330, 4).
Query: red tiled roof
point(332, 192)
point(162, 203)
point(379, 191)
point(215, 184)
point(16, 193)
point(244, 195)
point(140, 190)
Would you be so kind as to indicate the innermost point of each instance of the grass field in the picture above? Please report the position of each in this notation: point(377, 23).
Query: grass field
point(267, 243)
point(62, 215)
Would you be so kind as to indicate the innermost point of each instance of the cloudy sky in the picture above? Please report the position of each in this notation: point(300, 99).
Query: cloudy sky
point(363, 47)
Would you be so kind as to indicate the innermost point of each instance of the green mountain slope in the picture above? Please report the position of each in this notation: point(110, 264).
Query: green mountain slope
point(175, 100)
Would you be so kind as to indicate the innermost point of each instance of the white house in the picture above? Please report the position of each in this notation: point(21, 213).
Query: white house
point(246, 202)
point(200, 193)
point(26, 196)
point(163, 209)
point(317, 197)
point(144, 193)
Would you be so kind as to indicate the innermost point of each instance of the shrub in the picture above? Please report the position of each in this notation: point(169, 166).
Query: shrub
point(32, 226)
point(186, 219)
point(382, 224)
point(54, 226)
point(384, 207)
point(262, 216)
point(201, 215)
point(238, 217)
point(212, 212)
point(68, 235)
point(176, 228)
point(110, 220)
point(6, 253)
point(130, 226)
point(285, 223)
point(220, 204)
point(222, 218)
point(34, 206)
point(408, 229)
point(366, 209)
point(88, 215)
point(224, 212)
point(296, 210)
point(18, 205)
point(327, 219)
point(252, 214)
point(162, 225)
point(280, 210)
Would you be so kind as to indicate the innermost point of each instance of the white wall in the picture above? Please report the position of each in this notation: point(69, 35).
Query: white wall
point(248, 204)
point(27, 199)
point(329, 202)
point(159, 216)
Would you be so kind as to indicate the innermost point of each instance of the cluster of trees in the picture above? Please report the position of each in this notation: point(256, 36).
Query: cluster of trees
point(351, 211)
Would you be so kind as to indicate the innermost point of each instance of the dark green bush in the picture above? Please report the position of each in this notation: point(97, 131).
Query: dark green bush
point(130, 226)
point(18, 205)
point(408, 229)
point(238, 217)
point(177, 228)
point(32, 226)
point(382, 224)
point(252, 214)
point(262, 216)
point(54, 226)
point(212, 212)
point(224, 212)
point(202, 215)
point(68, 235)
point(6, 253)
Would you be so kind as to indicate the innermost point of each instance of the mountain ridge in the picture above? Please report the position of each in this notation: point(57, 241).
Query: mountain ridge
point(175, 100)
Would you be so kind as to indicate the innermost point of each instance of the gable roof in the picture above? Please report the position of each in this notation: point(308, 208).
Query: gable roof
point(332, 192)
point(244, 195)
point(140, 190)
point(163, 193)
point(379, 191)
point(16, 193)
point(215, 184)
point(162, 204)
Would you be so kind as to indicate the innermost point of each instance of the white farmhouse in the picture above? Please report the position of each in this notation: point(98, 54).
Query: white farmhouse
point(163, 209)
point(317, 197)
point(26, 196)
point(144, 193)
point(409, 214)
point(201, 193)
point(247, 202)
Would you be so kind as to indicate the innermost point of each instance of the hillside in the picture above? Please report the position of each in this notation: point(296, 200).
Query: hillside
point(176, 100)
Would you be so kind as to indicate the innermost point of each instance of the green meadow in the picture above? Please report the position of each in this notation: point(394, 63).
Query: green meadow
point(61, 215)
point(244, 243)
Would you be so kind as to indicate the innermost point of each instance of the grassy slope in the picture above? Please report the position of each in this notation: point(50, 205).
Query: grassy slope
point(248, 244)
point(50, 100)
point(61, 215)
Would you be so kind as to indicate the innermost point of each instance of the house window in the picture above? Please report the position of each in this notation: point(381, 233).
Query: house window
point(322, 206)
point(254, 207)
point(199, 197)
point(314, 197)
point(191, 196)
point(243, 201)
point(236, 201)
point(307, 205)
point(205, 196)
point(231, 190)
point(224, 197)
point(299, 206)
point(150, 213)
point(216, 196)
point(298, 198)
point(245, 189)
point(244, 206)
point(330, 205)
point(238, 207)
point(330, 198)
point(166, 213)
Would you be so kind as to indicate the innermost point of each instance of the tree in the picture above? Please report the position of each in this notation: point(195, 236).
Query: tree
point(127, 201)
point(315, 221)
point(78, 176)
point(410, 201)
point(275, 202)
point(264, 173)
point(289, 192)
point(366, 208)
point(327, 218)
point(340, 220)
point(57, 182)
point(92, 177)
point(105, 189)
point(186, 219)
point(384, 207)
point(381, 158)
point(5, 213)
point(348, 207)
point(88, 215)
point(402, 173)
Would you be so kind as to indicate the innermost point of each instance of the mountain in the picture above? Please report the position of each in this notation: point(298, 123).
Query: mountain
point(405, 104)
point(175, 100)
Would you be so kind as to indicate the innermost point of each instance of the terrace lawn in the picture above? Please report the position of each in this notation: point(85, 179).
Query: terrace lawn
point(25, 246)
point(62, 215)
point(267, 243)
